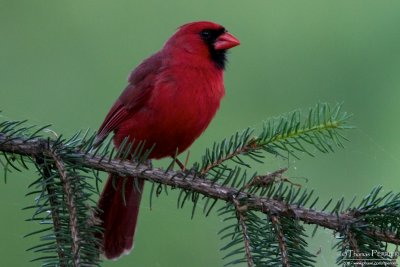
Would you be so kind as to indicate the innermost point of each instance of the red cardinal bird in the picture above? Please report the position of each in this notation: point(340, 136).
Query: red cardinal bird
point(171, 98)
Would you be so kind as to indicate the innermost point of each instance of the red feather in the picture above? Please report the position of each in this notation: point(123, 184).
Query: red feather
point(122, 214)
point(133, 98)
point(170, 100)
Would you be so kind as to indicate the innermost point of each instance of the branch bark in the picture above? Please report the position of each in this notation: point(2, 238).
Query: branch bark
point(73, 224)
point(281, 239)
point(53, 204)
point(184, 180)
point(241, 214)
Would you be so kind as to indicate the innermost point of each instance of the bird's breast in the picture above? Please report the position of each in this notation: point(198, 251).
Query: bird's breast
point(179, 110)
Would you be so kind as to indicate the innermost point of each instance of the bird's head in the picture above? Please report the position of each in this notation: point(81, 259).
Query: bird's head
point(204, 39)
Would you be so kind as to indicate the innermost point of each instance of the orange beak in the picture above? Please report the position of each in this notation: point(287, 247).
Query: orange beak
point(226, 41)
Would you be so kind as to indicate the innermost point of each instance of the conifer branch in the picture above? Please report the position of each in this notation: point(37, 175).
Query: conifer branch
point(240, 212)
point(281, 240)
point(353, 245)
point(267, 211)
point(45, 169)
point(183, 180)
point(291, 134)
point(241, 150)
point(73, 219)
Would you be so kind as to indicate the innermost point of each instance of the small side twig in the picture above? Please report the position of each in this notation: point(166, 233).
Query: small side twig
point(73, 218)
point(240, 211)
point(265, 180)
point(45, 169)
point(395, 255)
point(251, 145)
point(352, 241)
point(281, 240)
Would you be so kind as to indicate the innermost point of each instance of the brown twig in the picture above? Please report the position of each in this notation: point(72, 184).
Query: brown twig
point(73, 218)
point(186, 160)
point(353, 245)
point(45, 169)
point(246, 148)
point(281, 240)
point(265, 180)
point(240, 211)
point(336, 222)
point(395, 255)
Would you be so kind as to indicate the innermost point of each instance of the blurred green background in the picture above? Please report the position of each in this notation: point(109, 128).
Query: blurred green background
point(65, 62)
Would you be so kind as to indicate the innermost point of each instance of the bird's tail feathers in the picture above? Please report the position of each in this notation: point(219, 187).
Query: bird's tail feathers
point(118, 212)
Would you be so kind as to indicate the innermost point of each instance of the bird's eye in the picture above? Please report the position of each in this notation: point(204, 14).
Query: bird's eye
point(206, 34)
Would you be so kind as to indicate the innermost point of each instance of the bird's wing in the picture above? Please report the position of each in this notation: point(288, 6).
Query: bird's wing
point(133, 98)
